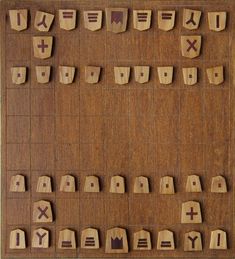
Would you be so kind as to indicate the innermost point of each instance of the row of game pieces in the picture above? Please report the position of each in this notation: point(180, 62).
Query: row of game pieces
point(117, 240)
point(117, 184)
point(121, 74)
point(116, 19)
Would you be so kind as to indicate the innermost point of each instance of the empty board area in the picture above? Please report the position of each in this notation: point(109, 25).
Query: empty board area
point(117, 129)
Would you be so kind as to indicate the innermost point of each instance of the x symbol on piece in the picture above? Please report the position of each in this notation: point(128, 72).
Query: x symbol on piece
point(43, 212)
point(191, 45)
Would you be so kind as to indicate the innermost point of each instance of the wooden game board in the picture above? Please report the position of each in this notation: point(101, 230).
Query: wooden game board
point(118, 136)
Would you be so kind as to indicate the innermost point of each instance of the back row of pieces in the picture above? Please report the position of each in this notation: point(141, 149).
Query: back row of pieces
point(116, 19)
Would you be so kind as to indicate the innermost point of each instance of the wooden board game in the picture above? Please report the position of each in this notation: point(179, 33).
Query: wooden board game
point(118, 129)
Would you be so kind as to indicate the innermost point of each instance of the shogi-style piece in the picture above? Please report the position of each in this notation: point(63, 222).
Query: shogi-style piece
point(18, 19)
point(17, 183)
point(116, 19)
point(42, 212)
point(142, 240)
point(193, 184)
point(141, 185)
point(218, 184)
point(217, 21)
point(42, 46)
point(44, 184)
point(67, 183)
point(165, 240)
point(191, 46)
point(165, 75)
point(142, 19)
point(116, 241)
point(192, 241)
point(92, 20)
point(92, 74)
point(122, 75)
point(191, 19)
point(40, 238)
point(66, 74)
point(117, 184)
point(67, 239)
point(67, 19)
point(215, 75)
point(190, 75)
point(166, 20)
point(17, 239)
point(92, 184)
point(218, 240)
point(90, 238)
point(191, 212)
point(167, 185)
point(43, 74)
point(18, 75)
point(141, 74)
point(43, 21)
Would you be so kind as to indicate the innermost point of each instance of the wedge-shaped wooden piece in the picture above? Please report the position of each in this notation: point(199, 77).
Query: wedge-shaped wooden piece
point(42, 46)
point(67, 239)
point(40, 238)
point(165, 240)
point(191, 46)
point(142, 240)
point(142, 19)
point(117, 184)
point(218, 184)
point(90, 238)
point(18, 19)
point(93, 20)
point(44, 184)
point(116, 241)
point(215, 75)
point(116, 19)
point(92, 74)
point(190, 75)
point(43, 21)
point(67, 19)
point(166, 20)
point(192, 241)
point(141, 74)
point(42, 212)
point(66, 74)
point(191, 19)
point(17, 239)
point(193, 184)
point(165, 75)
point(17, 183)
point(141, 185)
point(92, 184)
point(18, 75)
point(67, 183)
point(217, 21)
point(167, 185)
point(122, 75)
point(218, 240)
point(191, 212)
point(43, 74)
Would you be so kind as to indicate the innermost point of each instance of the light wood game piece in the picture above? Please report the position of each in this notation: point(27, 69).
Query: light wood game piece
point(217, 21)
point(116, 241)
point(165, 75)
point(116, 19)
point(93, 20)
point(215, 75)
point(166, 20)
point(90, 238)
point(40, 238)
point(191, 19)
point(92, 74)
point(165, 240)
point(117, 184)
point(167, 185)
point(17, 183)
point(67, 183)
point(218, 240)
point(42, 46)
point(141, 185)
point(122, 75)
point(67, 19)
point(44, 184)
point(192, 241)
point(42, 212)
point(193, 184)
point(191, 212)
point(66, 74)
point(43, 21)
point(190, 75)
point(141, 74)
point(67, 239)
point(218, 184)
point(18, 75)
point(43, 74)
point(191, 46)
point(92, 184)
point(142, 19)
point(142, 240)
point(17, 239)
point(18, 19)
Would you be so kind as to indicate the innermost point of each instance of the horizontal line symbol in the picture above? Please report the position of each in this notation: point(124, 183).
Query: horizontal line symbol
point(67, 14)
point(166, 16)
point(165, 244)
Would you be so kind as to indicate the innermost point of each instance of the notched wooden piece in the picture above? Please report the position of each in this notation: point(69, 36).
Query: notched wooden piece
point(122, 75)
point(18, 75)
point(190, 75)
point(40, 238)
point(17, 183)
point(67, 19)
point(116, 19)
point(67, 239)
point(66, 74)
point(17, 239)
point(42, 212)
point(18, 19)
point(42, 46)
point(90, 238)
point(117, 184)
point(192, 241)
point(116, 241)
point(191, 212)
point(92, 74)
point(142, 19)
point(93, 20)
point(43, 21)
point(142, 240)
point(166, 20)
point(165, 240)
point(217, 21)
point(44, 184)
point(218, 184)
point(92, 184)
point(141, 185)
point(193, 184)
point(67, 183)
point(43, 74)
point(191, 46)
point(141, 74)
point(215, 75)
point(218, 240)
point(167, 185)
point(191, 19)
point(165, 75)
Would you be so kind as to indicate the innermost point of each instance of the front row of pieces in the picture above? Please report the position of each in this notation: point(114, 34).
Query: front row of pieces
point(117, 184)
point(116, 19)
point(121, 74)
point(117, 241)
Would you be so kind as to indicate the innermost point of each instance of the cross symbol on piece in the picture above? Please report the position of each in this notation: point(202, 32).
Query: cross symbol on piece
point(191, 213)
point(42, 46)
point(191, 45)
